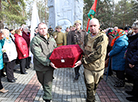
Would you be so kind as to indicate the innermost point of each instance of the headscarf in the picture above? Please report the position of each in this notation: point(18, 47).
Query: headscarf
point(110, 32)
point(116, 35)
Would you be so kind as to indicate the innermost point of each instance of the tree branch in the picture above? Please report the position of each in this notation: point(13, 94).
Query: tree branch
point(13, 7)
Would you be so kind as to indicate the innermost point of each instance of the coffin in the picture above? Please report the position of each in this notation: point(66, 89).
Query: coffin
point(66, 56)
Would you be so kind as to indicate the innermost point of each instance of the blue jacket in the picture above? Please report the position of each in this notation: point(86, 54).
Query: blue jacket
point(117, 53)
point(132, 55)
point(1, 58)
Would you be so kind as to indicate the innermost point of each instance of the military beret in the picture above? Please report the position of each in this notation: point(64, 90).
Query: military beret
point(58, 27)
point(77, 21)
point(135, 24)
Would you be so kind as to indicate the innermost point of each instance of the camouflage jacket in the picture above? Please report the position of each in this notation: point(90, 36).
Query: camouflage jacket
point(95, 49)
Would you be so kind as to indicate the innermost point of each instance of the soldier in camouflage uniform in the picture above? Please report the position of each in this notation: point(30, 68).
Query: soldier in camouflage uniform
point(59, 37)
point(93, 60)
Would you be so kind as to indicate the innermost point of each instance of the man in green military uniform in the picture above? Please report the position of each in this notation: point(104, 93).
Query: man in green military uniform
point(41, 47)
point(93, 60)
point(59, 37)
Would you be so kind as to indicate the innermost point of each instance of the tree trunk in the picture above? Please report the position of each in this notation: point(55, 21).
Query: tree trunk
point(0, 5)
point(97, 7)
point(45, 11)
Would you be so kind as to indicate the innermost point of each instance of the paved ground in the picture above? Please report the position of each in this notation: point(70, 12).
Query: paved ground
point(64, 89)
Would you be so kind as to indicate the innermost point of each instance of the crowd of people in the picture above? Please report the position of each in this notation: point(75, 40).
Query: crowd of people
point(14, 49)
point(114, 48)
point(122, 57)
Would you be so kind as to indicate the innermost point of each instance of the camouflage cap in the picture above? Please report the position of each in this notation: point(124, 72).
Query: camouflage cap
point(58, 27)
point(135, 24)
point(77, 21)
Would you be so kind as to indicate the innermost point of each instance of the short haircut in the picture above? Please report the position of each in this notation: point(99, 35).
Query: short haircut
point(95, 19)
point(17, 31)
point(41, 23)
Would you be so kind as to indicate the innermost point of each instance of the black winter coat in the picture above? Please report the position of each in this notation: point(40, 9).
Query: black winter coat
point(132, 56)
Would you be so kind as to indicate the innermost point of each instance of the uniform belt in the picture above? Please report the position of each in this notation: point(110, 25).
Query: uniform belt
point(60, 44)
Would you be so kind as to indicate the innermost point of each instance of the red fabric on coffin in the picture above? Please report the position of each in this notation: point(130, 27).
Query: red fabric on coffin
point(66, 56)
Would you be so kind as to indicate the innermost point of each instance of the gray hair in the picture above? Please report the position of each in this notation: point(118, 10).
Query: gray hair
point(115, 28)
point(25, 27)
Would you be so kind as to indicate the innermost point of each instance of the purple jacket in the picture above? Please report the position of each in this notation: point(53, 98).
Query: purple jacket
point(26, 37)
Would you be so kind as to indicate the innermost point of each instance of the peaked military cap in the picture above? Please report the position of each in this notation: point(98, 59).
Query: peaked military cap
point(58, 27)
point(77, 21)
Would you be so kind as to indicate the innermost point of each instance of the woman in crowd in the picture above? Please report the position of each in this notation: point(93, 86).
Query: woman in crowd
point(109, 48)
point(132, 62)
point(1, 62)
point(12, 32)
point(22, 50)
point(10, 49)
point(119, 43)
point(26, 36)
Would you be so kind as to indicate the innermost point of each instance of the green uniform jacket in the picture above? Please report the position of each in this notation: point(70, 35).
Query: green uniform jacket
point(95, 50)
point(41, 50)
point(61, 38)
point(66, 33)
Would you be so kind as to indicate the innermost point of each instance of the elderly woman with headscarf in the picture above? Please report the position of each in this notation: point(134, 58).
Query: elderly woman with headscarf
point(119, 45)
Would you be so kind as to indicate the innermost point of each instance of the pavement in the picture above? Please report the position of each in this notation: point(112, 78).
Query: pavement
point(64, 88)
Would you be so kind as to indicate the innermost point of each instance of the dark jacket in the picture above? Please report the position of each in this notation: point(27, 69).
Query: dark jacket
point(76, 37)
point(70, 38)
point(132, 55)
point(26, 37)
point(21, 47)
point(42, 48)
point(79, 38)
